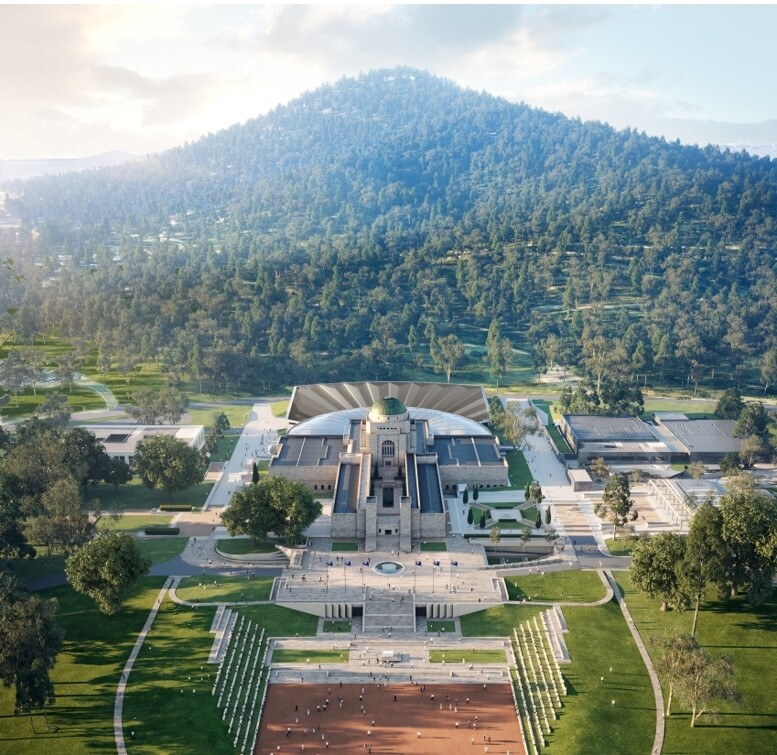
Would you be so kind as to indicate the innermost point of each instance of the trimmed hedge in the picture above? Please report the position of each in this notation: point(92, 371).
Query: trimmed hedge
point(175, 507)
point(162, 530)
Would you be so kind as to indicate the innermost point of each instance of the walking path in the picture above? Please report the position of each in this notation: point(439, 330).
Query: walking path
point(118, 706)
point(658, 741)
point(258, 434)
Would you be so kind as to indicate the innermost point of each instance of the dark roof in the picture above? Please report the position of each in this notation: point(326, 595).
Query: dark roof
point(387, 407)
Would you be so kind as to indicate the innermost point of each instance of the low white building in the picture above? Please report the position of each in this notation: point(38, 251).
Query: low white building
point(121, 441)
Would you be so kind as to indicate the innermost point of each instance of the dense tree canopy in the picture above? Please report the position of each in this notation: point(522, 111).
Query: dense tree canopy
point(165, 463)
point(274, 504)
point(106, 568)
point(749, 530)
point(653, 569)
point(311, 242)
point(29, 644)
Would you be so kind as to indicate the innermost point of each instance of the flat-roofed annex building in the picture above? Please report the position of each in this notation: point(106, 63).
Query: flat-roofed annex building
point(387, 465)
point(121, 441)
point(615, 439)
point(671, 438)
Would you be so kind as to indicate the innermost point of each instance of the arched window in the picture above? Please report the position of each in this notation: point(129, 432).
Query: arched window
point(387, 448)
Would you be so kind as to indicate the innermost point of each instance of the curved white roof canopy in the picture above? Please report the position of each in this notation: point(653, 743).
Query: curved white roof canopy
point(440, 423)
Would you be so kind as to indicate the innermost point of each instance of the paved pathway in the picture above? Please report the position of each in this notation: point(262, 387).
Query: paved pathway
point(256, 437)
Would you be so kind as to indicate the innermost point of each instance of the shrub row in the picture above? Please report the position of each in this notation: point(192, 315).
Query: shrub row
point(175, 507)
point(162, 530)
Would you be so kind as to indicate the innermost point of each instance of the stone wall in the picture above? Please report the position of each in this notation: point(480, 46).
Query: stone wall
point(344, 525)
point(491, 475)
point(320, 476)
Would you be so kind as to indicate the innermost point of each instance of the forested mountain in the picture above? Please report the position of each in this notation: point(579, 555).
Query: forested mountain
point(391, 210)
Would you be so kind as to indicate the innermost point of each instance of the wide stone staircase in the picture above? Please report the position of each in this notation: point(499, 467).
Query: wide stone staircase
point(388, 612)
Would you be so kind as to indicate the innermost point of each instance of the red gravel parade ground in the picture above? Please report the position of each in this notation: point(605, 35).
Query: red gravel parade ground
point(398, 718)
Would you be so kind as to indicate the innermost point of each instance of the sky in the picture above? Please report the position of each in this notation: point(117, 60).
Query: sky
point(79, 80)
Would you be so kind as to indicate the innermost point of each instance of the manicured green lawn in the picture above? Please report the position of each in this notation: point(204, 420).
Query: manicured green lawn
point(598, 639)
point(732, 627)
point(40, 566)
point(582, 586)
point(621, 547)
point(130, 522)
point(280, 621)
point(530, 513)
point(517, 470)
point(25, 403)
point(497, 621)
point(289, 655)
point(467, 655)
point(279, 408)
point(344, 547)
point(224, 448)
point(693, 409)
point(237, 415)
point(135, 495)
point(433, 547)
point(224, 589)
point(337, 626)
point(168, 703)
point(440, 626)
point(508, 524)
point(501, 504)
point(240, 546)
point(161, 549)
point(558, 439)
point(85, 677)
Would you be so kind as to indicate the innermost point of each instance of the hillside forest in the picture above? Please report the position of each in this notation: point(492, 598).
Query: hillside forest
point(393, 226)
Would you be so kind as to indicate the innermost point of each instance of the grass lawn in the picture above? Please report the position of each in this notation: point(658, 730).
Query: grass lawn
point(344, 547)
point(693, 409)
point(237, 415)
point(467, 655)
point(582, 586)
point(598, 639)
point(437, 625)
point(289, 655)
point(78, 400)
point(224, 589)
point(131, 522)
point(135, 495)
point(85, 677)
point(161, 549)
point(40, 566)
point(517, 470)
point(507, 524)
point(732, 627)
point(174, 658)
point(239, 546)
point(530, 513)
point(224, 448)
point(621, 547)
point(501, 504)
point(497, 621)
point(558, 439)
point(337, 626)
point(433, 547)
point(279, 408)
point(280, 621)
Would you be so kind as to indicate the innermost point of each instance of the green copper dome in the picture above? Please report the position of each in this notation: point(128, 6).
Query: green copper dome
point(386, 407)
